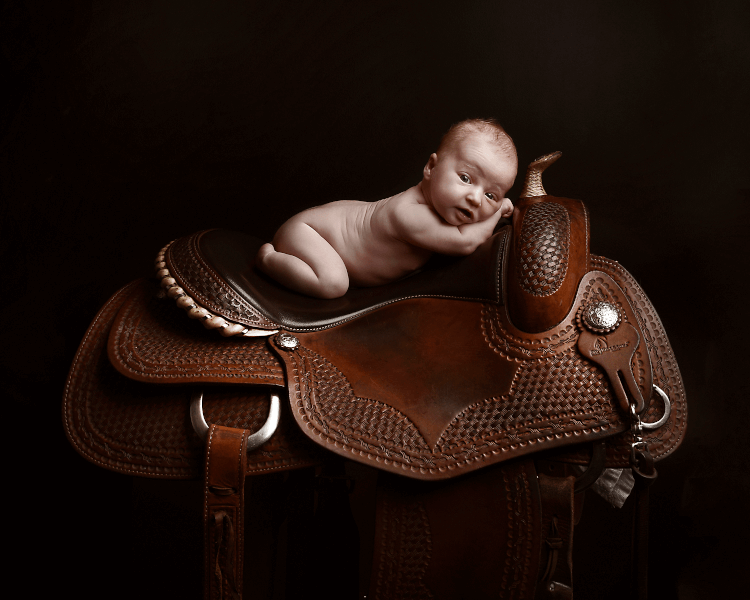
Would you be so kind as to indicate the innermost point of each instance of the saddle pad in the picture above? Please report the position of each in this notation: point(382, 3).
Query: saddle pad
point(139, 428)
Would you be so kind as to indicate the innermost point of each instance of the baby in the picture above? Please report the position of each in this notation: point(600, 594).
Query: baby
point(322, 250)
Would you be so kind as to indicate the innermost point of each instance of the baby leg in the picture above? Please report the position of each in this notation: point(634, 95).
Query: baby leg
point(302, 260)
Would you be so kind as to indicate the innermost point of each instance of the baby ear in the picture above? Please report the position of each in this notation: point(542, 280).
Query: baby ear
point(506, 208)
point(431, 162)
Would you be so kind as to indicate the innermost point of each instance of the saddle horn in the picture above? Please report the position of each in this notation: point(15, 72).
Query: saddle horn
point(532, 186)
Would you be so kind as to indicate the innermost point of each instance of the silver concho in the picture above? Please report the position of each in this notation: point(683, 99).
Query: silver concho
point(601, 317)
point(287, 341)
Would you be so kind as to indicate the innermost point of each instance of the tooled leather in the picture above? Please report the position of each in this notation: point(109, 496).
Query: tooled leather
point(664, 369)
point(324, 404)
point(663, 363)
point(556, 397)
point(142, 429)
point(544, 249)
point(429, 538)
point(405, 551)
point(518, 574)
point(424, 357)
point(337, 407)
point(543, 273)
point(475, 277)
point(152, 450)
point(504, 339)
point(561, 396)
point(556, 391)
point(199, 280)
point(314, 381)
point(152, 341)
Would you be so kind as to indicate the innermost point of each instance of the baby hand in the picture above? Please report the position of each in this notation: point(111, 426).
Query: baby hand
point(506, 208)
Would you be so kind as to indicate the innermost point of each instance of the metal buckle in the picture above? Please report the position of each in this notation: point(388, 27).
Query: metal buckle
point(257, 439)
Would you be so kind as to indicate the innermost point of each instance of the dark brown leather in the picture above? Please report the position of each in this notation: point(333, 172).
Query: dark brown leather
point(474, 537)
point(150, 342)
point(556, 580)
point(138, 428)
point(548, 255)
point(461, 387)
point(431, 377)
point(223, 512)
point(614, 353)
point(216, 268)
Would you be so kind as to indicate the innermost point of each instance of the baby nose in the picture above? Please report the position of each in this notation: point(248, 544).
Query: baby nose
point(474, 198)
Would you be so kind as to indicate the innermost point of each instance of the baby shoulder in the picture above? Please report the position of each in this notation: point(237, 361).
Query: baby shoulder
point(408, 215)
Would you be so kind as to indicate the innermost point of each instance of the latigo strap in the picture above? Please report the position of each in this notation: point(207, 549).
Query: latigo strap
point(223, 512)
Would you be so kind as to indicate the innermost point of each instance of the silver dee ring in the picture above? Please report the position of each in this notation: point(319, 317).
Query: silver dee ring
point(665, 416)
point(255, 440)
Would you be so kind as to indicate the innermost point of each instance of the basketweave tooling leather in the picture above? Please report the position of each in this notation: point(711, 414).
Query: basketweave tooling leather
point(469, 367)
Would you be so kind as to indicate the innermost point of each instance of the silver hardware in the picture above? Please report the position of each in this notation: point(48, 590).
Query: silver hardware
point(636, 426)
point(257, 439)
point(247, 332)
point(287, 341)
point(601, 317)
point(665, 416)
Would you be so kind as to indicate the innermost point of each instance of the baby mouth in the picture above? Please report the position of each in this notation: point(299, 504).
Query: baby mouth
point(466, 213)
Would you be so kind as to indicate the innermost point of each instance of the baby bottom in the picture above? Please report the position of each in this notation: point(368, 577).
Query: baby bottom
point(302, 260)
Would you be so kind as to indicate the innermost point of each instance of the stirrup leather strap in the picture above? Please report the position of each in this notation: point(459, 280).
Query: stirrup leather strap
point(223, 512)
point(556, 582)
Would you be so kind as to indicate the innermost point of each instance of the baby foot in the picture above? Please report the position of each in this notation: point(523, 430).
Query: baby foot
point(264, 251)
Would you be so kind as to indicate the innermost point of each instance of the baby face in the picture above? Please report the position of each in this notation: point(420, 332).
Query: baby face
point(467, 183)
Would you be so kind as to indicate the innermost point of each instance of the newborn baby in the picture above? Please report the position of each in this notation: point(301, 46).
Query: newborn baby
point(461, 197)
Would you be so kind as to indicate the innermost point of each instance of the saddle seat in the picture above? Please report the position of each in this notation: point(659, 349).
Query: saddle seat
point(263, 304)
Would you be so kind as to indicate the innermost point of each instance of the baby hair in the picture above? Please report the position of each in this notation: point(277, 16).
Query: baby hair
point(490, 127)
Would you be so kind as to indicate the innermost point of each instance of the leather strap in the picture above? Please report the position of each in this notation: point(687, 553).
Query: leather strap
point(644, 477)
point(223, 512)
point(556, 581)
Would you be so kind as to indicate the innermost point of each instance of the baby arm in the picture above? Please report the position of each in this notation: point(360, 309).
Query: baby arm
point(420, 225)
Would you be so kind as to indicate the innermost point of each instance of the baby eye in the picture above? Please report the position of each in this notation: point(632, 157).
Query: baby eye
point(465, 178)
point(490, 195)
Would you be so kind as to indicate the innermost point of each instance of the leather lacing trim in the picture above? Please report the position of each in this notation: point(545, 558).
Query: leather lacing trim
point(194, 311)
point(229, 328)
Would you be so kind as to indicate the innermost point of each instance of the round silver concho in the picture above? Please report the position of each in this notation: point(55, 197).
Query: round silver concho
point(601, 317)
point(287, 341)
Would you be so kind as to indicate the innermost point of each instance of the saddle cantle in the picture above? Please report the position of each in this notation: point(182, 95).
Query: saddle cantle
point(529, 347)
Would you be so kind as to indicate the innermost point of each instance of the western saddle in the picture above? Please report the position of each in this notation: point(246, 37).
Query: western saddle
point(489, 391)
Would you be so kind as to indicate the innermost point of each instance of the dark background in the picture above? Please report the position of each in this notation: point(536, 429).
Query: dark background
point(128, 124)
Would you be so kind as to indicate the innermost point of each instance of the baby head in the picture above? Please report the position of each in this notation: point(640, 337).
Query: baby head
point(466, 180)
